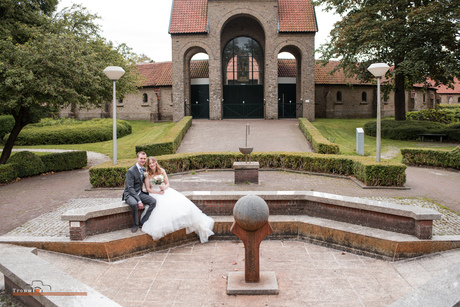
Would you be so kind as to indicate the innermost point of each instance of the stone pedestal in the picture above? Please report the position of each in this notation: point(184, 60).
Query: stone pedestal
point(246, 172)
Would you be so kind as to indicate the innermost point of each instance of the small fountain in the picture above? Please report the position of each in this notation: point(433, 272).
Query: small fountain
point(251, 226)
point(248, 171)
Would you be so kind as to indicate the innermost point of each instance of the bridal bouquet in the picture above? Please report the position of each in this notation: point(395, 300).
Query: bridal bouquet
point(159, 179)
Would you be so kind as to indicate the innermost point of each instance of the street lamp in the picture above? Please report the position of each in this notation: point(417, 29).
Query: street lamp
point(378, 70)
point(114, 73)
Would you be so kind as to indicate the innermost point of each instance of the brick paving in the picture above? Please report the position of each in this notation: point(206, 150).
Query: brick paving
point(195, 274)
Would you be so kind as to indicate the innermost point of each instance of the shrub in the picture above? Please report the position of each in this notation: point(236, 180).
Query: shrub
point(432, 157)
point(27, 163)
point(364, 168)
point(6, 125)
point(78, 132)
point(402, 130)
point(317, 140)
point(431, 115)
point(169, 143)
point(8, 172)
point(64, 161)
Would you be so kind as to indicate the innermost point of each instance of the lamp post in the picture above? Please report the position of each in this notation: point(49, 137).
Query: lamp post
point(114, 73)
point(378, 70)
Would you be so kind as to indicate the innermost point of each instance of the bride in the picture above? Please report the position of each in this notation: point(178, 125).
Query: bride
point(173, 211)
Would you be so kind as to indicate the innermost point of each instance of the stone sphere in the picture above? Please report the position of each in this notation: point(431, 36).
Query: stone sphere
point(251, 212)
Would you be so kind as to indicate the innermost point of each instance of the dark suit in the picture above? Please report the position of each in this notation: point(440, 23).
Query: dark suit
point(133, 194)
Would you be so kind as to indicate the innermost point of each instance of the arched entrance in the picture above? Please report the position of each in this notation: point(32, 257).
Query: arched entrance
point(243, 89)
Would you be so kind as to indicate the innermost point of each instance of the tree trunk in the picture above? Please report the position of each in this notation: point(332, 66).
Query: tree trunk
point(400, 98)
point(18, 125)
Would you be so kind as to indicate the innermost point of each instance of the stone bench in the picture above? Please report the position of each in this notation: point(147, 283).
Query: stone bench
point(35, 282)
point(376, 214)
point(90, 221)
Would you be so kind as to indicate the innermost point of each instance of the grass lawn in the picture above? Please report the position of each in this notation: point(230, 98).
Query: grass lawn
point(344, 133)
point(143, 132)
point(341, 131)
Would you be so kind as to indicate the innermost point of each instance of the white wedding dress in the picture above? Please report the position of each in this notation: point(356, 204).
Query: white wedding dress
point(174, 211)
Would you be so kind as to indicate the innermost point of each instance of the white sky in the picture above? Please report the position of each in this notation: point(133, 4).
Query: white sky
point(143, 24)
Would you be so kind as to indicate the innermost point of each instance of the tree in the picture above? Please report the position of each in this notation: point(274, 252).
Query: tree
point(54, 62)
point(420, 39)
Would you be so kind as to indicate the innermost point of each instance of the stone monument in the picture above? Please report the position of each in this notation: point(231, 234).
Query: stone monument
point(247, 171)
point(251, 226)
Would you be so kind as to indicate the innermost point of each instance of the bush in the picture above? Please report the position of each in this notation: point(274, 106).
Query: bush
point(363, 168)
point(431, 115)
point(431, 157)
point(78, 132)
point(169, 143)
point(27, 163)
point(8, 172)
point(317, 140)
point(64, 161)
point(403, 130)
point(6, 125)
point(452, 111)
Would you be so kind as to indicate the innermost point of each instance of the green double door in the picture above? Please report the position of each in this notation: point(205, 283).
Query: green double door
point(243, 101)
point(199, 104)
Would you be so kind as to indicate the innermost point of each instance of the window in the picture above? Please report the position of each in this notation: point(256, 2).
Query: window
point(364, 97)
point(458, 100)
point(145, 98)
point(243, 62)
point(120, 100)
point(339, 96)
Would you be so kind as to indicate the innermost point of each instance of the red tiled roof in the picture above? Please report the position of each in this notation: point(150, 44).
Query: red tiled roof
point(160, 74)
point(323, 75)
point(296, 16)
point(442, 89)
point(189, 16)
point(199, 69)
point(156, 74)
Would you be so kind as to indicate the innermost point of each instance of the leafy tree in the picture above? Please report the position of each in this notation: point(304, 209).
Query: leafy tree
point(420, 39)
point(48, 62)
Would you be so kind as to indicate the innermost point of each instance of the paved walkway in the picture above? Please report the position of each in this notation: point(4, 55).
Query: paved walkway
point(194, 274)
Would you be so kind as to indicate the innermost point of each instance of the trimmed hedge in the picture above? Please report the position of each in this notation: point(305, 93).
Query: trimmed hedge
point(169, 143)
point(409, 129)
point(431, 157)
point(26, 163)
point(64, 161)
point(320, 144)
point(363, 168)
point(6, 125)
point(8, 173)
point(91, 131)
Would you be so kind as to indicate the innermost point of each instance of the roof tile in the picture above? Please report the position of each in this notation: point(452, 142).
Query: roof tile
point(189, 16)
point(296, 16)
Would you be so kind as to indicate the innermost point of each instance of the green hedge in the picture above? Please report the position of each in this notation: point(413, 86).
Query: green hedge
point(26, 163)
point(6, 125)
point(363, 168)
point(64, 161)
point(169, 143)
point(409, 129)
point(431, 157)
point(91, 131)
point(320, 144)
point(8, 173)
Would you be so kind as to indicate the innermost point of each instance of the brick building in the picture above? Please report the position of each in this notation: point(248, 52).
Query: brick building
point(243, 77)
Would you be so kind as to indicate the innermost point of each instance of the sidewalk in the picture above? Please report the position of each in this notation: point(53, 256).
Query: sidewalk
point(195, 274)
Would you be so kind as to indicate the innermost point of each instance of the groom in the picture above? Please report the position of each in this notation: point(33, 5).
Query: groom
point(133, 194)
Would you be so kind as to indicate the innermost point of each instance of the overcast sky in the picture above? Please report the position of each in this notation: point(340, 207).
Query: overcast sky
point(143, 24)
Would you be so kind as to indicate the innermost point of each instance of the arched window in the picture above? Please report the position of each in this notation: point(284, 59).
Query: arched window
point(120, 100)
point(458, 100)
point(364, 97)
point(145, 98)
point(339, 96)
point(243, 62)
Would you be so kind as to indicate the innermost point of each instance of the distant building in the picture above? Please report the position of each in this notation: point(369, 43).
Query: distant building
point(243, 77)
